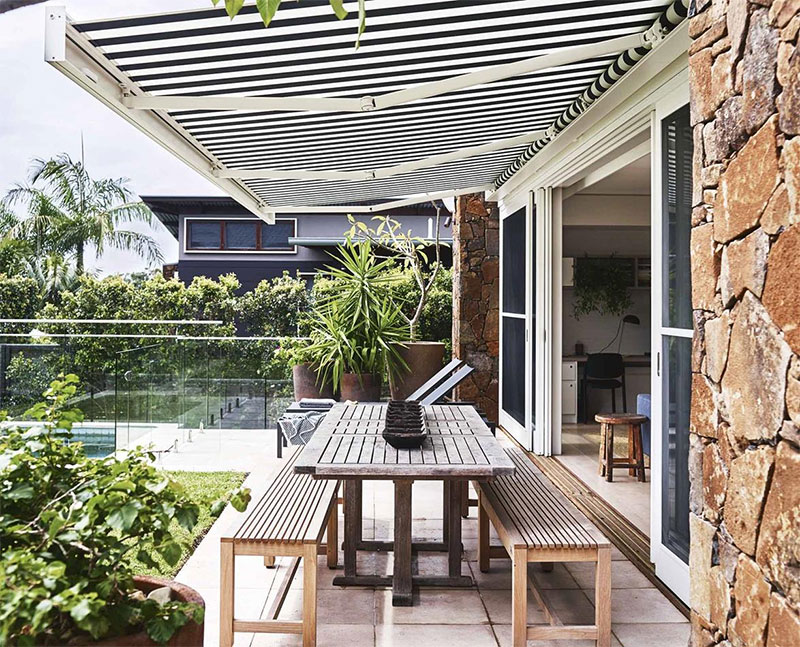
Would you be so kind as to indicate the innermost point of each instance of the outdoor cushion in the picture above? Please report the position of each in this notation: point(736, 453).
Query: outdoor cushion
point(298, 428)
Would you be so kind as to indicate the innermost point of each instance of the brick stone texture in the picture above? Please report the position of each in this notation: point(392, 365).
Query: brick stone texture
point(476, 298)
point(744, 76)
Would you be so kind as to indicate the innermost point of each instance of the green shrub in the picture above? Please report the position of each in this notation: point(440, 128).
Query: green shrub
point(274, 307)
point(68, 527)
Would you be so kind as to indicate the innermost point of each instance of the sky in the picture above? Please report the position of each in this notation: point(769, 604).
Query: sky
point(42, 113)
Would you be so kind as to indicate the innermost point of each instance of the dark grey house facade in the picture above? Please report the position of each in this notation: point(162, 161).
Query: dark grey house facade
point(216, 236)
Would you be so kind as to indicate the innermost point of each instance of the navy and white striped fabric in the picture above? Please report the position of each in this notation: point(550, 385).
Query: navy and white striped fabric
point(306, 51)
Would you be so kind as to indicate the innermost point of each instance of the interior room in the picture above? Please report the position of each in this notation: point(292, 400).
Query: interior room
point(606, 339)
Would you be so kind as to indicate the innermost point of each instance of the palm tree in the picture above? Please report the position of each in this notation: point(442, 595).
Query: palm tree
point(53, 274)
point(68, 211)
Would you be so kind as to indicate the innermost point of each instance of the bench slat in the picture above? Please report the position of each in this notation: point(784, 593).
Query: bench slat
point(292, 510)
point(535, 513)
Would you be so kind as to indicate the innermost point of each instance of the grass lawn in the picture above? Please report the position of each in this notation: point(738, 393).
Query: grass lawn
point(199, 486)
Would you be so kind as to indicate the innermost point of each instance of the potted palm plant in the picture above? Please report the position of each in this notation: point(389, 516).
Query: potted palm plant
point(303, 360)
point(356, 328)
point(422, 358)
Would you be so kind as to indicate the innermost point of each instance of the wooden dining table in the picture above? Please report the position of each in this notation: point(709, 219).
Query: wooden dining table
point(349, 446)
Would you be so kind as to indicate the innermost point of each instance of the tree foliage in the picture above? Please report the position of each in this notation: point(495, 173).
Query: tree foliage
point(275, 306)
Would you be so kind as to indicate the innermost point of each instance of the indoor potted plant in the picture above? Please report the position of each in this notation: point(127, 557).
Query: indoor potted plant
point(356, 327)
point(298, 354)
point(423, 358)
point(69, 526)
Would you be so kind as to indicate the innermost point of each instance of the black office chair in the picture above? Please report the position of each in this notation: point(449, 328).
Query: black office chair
point(605, 371)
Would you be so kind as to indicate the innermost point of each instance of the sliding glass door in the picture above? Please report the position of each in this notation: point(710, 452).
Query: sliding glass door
point(672, 341)
point(513, 324)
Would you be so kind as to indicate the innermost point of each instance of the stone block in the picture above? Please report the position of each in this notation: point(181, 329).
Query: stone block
point(696, 445)
point(701, 535)
point(751, 596)
point(702, 100)
point(720, 598)
point(717, 336)
point(715, 482)
point(747, 486)
point(705, 267)
point(746, 185)
point(704, 418)
point(744, 266)
point(781, 12)
point(759, 80)
point(716, 30)
point(791, 166)
point(737, 18)
point(793, 391)
point(784, 623)
point(721, 80)
point(728, 559)
point(782, 289)
point(779, 540)
point(754, 392)
point(789, 99)
point(777, 213)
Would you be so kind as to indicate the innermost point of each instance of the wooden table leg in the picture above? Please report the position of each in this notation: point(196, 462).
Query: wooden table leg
point(609, 453)
point(631, 451)
point(352, 524)
point(402, 579)
point(637, 434)
point(601, 459)
point(454, 547)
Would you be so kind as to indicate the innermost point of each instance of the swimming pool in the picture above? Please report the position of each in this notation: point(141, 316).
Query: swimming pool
point(99, 440)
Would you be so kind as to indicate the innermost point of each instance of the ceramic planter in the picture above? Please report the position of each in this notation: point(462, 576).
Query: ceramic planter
point(361, 388)
point(424, 359)
point(305, 383)
point(190, 635)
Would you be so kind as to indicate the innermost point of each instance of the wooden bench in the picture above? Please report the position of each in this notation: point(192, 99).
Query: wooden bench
point(536, 523)
point(289, 520)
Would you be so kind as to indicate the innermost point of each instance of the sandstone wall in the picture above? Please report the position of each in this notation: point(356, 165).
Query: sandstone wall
point(745, 458)
point(476, 290)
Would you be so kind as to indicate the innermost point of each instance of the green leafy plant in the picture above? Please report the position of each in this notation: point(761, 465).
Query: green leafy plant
point(69, 526)
point(275, 306)
point(357, 327)
point(268, 8)
point(411, 252)
point(601, 285)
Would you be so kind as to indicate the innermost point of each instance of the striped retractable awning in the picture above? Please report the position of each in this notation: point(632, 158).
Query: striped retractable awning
point(205, 69)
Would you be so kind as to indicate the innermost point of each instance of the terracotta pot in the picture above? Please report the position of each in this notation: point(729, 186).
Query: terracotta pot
point(424, 359)
point(305, 383)
point(361, 388)
point(190, 635)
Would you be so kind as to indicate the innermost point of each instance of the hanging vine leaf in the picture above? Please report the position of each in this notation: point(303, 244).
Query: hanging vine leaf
point(267, 9)
point(233, 7)
point(338, 9)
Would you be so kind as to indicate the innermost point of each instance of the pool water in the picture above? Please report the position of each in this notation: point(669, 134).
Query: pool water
point(98, 442)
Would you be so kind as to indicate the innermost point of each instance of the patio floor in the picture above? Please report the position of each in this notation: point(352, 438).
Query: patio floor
point(475, 617)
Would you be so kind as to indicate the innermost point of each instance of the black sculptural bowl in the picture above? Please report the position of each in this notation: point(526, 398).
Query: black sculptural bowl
point(404, 426)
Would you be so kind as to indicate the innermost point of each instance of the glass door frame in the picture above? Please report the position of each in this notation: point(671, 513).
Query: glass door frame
point(672, 570)
point(520, 431)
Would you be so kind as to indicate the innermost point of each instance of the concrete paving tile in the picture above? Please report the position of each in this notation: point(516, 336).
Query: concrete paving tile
point(327, 636)
point(503, 633)
point(571, 605)
point(335, 607)
point(664, 634)
point(434, 635)
point(636, 606)
point(498, 606)
point(624, 575)
point(433, 606)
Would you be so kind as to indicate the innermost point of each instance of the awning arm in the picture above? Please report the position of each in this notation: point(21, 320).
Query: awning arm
point(383, 172)
point(368, 103)
point(69, 52)
point(385, 206)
